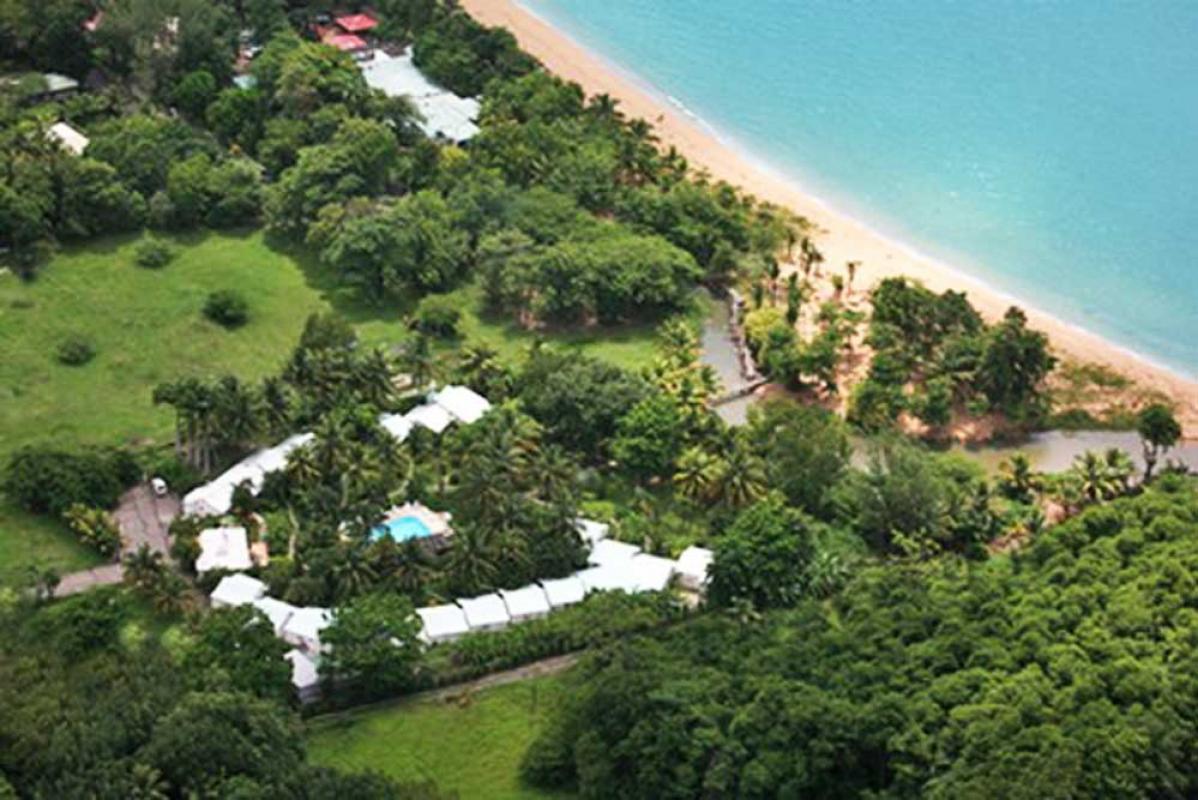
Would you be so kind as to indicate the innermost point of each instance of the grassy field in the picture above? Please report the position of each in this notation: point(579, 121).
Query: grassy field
point(473, 748)
point(146, 327)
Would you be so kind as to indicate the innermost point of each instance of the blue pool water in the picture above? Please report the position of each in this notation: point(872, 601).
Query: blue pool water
point(1049, 148)
point(402, 529)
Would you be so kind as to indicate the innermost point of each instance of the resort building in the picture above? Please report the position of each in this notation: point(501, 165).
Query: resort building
point(562, 592)
point(485, 612)
point(397, 425)
point(302, 629)
point(276, 611)
point(592, 531)
point(68, 138)
point(525, 603)
point(609, 551)
point(442, 623)
point(615, 577)
point(463, 403)
point(430, 416)
point(215, 498)
point(692, 568)
point(446, 116)
point(350, 34)
point(305, 675)
point(651, 573)
point(237, 590)
point(223, 548)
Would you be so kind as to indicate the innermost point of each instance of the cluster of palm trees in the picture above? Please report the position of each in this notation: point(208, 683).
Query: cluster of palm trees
point(733, 478)
point(1093, 478)
point(212, 417)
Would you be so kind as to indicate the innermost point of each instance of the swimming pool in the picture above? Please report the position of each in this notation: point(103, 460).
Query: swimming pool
point(402, 529)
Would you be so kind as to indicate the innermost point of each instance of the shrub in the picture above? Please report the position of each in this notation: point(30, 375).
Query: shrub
point(46, 480)
point(153, 253)
point(438, 315)
point(94, 527)
point(75, 351)
point(227, 307)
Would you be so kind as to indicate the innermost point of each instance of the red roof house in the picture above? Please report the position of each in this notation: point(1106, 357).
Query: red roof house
point(356, 23)
point(346, 41)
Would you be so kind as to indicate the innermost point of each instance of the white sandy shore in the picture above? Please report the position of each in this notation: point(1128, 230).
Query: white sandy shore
point(842, 238)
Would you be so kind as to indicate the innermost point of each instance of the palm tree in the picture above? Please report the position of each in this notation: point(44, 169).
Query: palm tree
point(696, 475)
point(352, 572)
point(1094, 478)
point(472, 564)
point(1120, 468)
point(742, 478)
point(851, 270)
point(143, 568)
point(1018, 480)
point(417, 359)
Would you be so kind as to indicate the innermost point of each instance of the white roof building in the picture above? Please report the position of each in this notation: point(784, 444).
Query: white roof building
point(304, 626)
point(652, 573)
point(591, 531)
point(442, 623)
point(397, 425)
point(446, 115)
point(463, 403)
point(223, 548)
point(237, 590)
point(527, 602)
point(692, 567)
point(610, 551)
point(431, 416)
point(70, 139)
point(562, 592)
point(276, 611)
point(305, 676)
point(609, 578)
point(485, 612)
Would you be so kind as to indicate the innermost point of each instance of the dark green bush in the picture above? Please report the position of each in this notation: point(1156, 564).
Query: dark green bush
point(153, 253)
point(226, 307)
point(438, 315)
point(75, 351)
point(50, 481)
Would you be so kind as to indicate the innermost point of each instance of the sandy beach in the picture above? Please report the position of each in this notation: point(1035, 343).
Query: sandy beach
point(841, 238)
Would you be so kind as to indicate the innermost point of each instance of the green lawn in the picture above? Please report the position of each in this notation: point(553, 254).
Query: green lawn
point(473, 748)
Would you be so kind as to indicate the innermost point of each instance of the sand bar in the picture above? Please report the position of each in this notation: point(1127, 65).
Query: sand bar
point(843, 238)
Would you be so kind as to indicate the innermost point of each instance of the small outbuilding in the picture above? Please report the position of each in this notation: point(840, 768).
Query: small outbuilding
point(615, 577)
point(223, 548)
point(276, 611)
point(610, 551)
point(237, 590)
point(485, 612)
point(68, 137)
point(525, 603)
point(462, 403)
point(304, 627)
point(562, 592)
point(652, 573)
point(692, 567)
point(305, 675)
point(442, 623)
point(356, 23)
point(431, 416)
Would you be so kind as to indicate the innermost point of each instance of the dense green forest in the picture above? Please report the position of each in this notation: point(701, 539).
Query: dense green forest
point(1067, 670)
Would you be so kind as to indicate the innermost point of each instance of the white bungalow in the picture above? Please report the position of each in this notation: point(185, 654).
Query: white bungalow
point(276, 611)
point(237, 590)
point(652, 573)
point(305, 675)
point(304, 626)
point(442, 623)
point(562, 592)
point(527, 602)
point(223, 548)
point(70, 139)
point(485, 612)
point(431, 416)
point(617, 577)
point(397, 425)
point(692, 567)
point(610, 551)
point(463, 403)
point(591, 531)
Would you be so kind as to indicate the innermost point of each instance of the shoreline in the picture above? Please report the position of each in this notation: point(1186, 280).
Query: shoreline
point(841, 238)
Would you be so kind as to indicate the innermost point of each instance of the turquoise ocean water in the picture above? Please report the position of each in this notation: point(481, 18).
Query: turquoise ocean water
point(1049, 148)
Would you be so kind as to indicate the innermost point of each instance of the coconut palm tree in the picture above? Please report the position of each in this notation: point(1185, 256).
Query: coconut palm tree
point(1120, 468)
point(352, 572)
point(143, 568)
point(851, 273)
point(697, 474)
point(472, 564)
point(1018, 480)
point(742, 478)
point(1094, 477)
